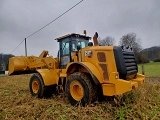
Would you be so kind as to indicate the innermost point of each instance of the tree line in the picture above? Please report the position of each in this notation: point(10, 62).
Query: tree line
point(131, 40)
point(4, 59)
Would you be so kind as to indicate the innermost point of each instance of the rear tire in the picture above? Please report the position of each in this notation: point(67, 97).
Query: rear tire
point(80, 90)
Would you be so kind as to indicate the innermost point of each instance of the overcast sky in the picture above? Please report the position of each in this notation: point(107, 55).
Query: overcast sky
point(115, 18)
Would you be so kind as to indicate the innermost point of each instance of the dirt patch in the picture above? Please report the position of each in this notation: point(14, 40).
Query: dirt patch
point(17, 103)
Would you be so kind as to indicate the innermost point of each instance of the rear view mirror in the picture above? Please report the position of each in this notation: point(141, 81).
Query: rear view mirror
point(90, 44)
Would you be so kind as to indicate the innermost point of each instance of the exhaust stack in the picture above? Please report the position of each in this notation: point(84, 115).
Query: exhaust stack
point(95, 39)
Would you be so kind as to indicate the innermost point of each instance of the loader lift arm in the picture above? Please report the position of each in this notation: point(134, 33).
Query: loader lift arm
point(26, 65)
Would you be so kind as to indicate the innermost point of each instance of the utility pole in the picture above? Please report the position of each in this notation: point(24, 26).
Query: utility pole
point(25, 46)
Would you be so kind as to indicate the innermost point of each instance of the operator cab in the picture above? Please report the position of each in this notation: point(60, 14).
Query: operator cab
point(70, 43)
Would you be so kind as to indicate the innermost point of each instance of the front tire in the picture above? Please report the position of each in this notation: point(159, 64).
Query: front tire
point(80, 89)
point(36, 86)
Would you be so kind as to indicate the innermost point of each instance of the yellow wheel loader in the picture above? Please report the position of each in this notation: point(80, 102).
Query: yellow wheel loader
point(82, 70)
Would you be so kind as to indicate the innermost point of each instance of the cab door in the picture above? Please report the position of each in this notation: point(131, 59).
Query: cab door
point(65, 55)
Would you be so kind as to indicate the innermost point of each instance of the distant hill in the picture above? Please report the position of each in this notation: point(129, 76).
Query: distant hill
point(152, 53)
point(4, 58)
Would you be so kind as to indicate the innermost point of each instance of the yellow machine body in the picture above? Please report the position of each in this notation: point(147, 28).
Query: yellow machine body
point(98, 61)
point(103, 70)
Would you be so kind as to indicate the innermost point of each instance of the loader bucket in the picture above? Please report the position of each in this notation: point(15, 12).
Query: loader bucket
point(17, 65)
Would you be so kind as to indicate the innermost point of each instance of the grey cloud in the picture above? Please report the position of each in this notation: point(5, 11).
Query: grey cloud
point(20, 18)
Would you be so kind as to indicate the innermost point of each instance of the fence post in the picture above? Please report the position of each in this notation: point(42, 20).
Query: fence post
point(143, 71)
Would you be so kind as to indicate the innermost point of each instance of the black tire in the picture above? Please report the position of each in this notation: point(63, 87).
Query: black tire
point(42, 91)
point(36, 86)
point(85, 81)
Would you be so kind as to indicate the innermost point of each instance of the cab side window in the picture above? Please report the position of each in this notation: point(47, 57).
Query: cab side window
point(65, 48)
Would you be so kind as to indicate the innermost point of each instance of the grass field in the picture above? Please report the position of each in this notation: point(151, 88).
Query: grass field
point(150, 69)
point(16, 103)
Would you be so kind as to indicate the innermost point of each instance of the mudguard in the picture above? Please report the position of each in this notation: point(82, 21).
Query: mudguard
point(50, 77)
point(94, 72)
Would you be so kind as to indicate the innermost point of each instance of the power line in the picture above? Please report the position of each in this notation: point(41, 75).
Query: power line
point(48, 24)
point(17, 46)
point(54, 19)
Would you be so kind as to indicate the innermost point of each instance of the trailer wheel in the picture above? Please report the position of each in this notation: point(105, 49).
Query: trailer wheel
point(36, 86)
point(80, 89)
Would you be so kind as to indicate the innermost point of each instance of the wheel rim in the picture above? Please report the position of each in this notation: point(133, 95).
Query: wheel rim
point(76, 90)
point(35, 86)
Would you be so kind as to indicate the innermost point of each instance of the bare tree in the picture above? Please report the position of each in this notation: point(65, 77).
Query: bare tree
point(107, 41)
point(131, 40)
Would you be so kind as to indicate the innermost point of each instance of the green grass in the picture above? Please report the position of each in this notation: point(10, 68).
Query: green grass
point(150, 69)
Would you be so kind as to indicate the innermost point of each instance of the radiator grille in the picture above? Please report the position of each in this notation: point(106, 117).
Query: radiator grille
point(130, 62)
point(125, 62)
point(101, 57)
point(105, 71)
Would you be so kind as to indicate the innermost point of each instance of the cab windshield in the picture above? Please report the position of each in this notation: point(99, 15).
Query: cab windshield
point(79, 42)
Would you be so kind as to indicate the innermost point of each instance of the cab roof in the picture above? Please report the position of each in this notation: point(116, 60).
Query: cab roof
point(73, 35)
